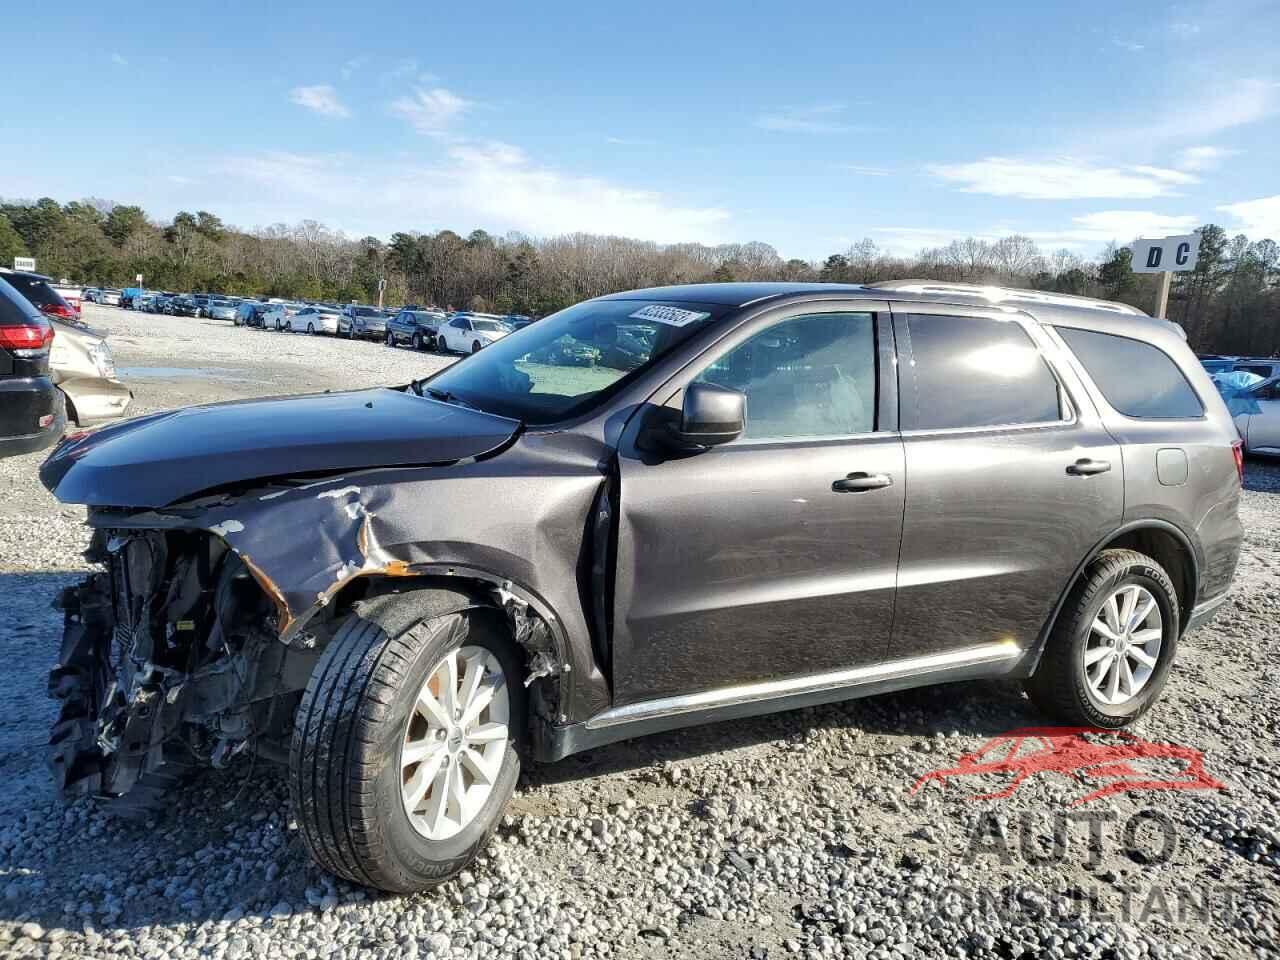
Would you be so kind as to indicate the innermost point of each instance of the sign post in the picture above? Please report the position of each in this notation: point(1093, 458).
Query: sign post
point(1166, 256)
point(382, 286)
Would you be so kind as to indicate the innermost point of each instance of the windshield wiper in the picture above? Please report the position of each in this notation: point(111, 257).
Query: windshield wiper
point(448, 396)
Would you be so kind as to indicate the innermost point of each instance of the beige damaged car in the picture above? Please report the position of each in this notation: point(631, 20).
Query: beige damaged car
point(81, 366)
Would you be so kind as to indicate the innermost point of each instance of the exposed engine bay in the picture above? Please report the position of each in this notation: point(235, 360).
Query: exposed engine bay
point(175, 658)
point(170, 658)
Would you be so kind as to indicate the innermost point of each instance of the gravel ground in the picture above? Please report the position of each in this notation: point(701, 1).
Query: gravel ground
point(790, 835)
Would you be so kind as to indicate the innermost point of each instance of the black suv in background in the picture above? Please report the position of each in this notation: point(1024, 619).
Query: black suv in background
point(31, 416)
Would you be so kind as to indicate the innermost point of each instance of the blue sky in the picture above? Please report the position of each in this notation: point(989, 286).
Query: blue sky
point(806, 126)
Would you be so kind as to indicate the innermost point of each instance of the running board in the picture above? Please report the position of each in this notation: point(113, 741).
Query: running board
point(669, 713)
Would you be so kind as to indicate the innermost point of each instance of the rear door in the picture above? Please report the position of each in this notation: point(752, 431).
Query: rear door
point(761, 559)
point(1011, 478)
point(1264, 426)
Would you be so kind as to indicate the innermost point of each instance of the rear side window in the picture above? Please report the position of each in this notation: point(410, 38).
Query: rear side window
point(976, 372)
point(37, 291)
point(1138, 379)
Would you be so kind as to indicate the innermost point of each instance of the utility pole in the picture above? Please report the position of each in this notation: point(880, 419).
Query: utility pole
point(382, 286)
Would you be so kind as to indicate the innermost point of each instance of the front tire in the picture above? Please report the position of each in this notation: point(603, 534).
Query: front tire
point(1111, 648)
point(311, 329)
point(475, 346)
point(391, 339)
point(401, 764)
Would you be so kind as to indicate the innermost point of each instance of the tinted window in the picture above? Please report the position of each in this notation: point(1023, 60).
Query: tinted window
point(35, 290)
point(976, 372)
point(805, 377)
point(1138, 379)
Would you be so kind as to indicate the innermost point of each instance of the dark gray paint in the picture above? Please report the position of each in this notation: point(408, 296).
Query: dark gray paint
point(723, 574)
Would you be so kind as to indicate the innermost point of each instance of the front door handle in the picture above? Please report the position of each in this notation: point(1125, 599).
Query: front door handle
point(861, 482)
point(1087, 468)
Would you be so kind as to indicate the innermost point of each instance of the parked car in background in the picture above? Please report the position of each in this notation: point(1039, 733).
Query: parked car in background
point(1052, 496)
point(359, 321)
point(415, 328)
point(220, 309)
point(92, 294)
point(109, 298)
point(79, 360)
point(71, 294)
point(314, 319)
point(200, 304)
point(81, 366)
point(249, 313)
point(127, 296)
point(470, 333)
point(31, 412)
point(38, 290)
point(517, 321)
point(183, 305)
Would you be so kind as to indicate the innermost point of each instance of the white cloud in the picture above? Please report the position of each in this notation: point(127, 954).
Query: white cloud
point(321, 99)
point(819, 118)
point(1085, 234)
point(1130, 45)
point(862, 170)
point(431, 111)
point(119, 60)
point(1062, 178)
point(351, 66)
point(492, 184)
point(1260, 218)
point(1204, 158)
point(1184, 28)
point(179, 179)
point(1195, 114)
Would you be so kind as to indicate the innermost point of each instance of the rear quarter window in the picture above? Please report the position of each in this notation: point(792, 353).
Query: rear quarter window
point(1138, 379)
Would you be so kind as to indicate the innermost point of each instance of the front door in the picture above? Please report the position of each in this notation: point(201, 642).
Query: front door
point(773, 556)
point(1012, 479)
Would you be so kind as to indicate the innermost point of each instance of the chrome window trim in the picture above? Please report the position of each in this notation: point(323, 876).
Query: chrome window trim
point(996, 652)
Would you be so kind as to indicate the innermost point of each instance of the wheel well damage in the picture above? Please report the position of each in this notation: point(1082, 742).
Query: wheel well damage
point(201, 632)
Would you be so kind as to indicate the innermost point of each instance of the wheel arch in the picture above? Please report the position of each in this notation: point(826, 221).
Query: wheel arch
point(535, 626)
point(1164, 542)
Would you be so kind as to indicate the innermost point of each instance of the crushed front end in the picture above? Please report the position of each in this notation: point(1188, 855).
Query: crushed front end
point(170, 660)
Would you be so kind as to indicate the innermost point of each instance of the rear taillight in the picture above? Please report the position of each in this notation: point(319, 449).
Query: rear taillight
point(59, 311)
point(26, 338)
point(1237, 451)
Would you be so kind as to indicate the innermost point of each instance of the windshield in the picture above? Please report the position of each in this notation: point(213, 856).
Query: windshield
point(563, 365)
point(365, 312)
point(492, 325)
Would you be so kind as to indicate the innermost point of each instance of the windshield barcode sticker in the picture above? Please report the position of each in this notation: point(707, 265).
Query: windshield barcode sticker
point(672, 316)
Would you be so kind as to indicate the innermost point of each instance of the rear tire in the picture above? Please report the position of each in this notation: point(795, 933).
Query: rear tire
point(391, 339)
point(1061, 685)
point(475, 346)
point(311, 329)
point(417, 342)
point(361, 708)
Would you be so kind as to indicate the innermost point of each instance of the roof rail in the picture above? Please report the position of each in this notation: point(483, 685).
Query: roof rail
point(1003, 294)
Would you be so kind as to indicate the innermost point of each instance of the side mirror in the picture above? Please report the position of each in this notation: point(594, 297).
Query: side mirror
point(711, 415)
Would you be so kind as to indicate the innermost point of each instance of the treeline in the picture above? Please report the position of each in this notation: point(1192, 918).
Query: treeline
point(1229, 303)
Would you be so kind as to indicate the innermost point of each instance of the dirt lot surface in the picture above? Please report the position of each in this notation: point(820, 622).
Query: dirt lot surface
point(791, 835)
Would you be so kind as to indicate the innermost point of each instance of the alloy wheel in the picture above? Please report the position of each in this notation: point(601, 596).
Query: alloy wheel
point(455, 742)
point(1123, 646)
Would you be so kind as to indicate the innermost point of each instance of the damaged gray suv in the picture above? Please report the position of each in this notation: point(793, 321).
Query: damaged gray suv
point(654, 509)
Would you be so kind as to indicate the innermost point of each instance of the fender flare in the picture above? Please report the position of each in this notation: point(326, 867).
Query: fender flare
point(1032, 660)
point(506, 591)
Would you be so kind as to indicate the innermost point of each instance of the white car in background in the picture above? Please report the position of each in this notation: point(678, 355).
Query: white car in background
point(314, 319)
point(470, 334)
point(219, 309)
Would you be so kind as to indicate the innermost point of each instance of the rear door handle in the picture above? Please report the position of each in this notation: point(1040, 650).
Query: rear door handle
point(861, 482)
point(1087, 468)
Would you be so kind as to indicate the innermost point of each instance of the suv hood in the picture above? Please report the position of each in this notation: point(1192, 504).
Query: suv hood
point(157, 460)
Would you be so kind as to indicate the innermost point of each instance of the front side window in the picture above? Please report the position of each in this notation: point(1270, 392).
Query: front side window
point(811, 376)
point(1138, 379)
point(973, 372)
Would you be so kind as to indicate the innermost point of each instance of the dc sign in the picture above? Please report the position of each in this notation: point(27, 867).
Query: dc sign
point(1171, 254)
